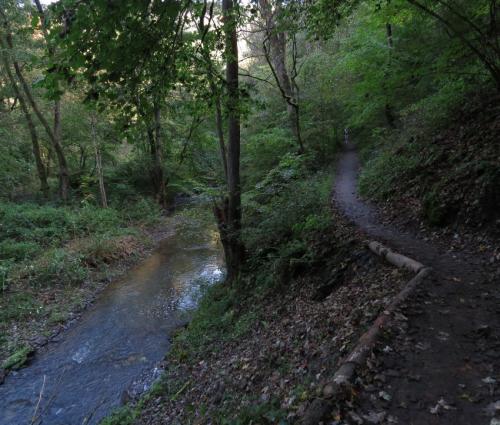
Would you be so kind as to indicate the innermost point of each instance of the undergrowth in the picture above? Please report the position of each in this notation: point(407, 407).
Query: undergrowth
point(49, 252)
point(446, 173)
point(285, 211)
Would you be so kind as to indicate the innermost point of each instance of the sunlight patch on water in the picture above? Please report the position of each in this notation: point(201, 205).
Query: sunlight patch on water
point(190, 296)
point(81, 354)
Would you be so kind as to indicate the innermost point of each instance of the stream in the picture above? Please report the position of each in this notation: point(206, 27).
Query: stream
point(118, 342)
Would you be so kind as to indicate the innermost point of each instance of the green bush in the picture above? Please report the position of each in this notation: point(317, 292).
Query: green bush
point(89, 220)
point(263, 151)
point(18, 251)
point(286, 205)
point(144, 210)
point(34, 223)
point(284, 213)
point(381, 174)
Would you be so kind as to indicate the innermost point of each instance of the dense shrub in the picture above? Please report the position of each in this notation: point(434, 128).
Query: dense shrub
point(283, 213)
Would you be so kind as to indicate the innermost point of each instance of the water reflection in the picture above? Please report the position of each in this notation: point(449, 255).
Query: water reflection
point(121, 338)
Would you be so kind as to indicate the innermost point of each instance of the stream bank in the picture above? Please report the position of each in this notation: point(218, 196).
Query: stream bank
point(121, 338)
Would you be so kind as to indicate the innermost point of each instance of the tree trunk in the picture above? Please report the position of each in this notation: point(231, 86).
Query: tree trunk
point(64, 182)
point(276, 57)
point(157, 172)
point(42, 173)
point(389, 115)
point(220, 134)
point(55, 140)
point(98, 162)
point(230, 224)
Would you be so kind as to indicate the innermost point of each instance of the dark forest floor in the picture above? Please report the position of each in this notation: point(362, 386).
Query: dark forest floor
point(437, 364)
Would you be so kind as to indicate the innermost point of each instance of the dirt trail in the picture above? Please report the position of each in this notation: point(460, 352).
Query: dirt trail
point(446, 345)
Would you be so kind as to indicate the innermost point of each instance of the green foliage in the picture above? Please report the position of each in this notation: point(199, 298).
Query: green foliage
point(36, 247)
point(285, 207)
point(122, 416)
point(18, 359)
point(29, 222)
point(214, 320)
point(145, 211)
point(18, 251)
point(20, 305)
point(265, 413)
point(380, 175)
point(55, 267)
point(90, 220)
point(263, 151)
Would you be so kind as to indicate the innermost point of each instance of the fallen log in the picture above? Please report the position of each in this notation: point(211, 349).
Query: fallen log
point(366, 342)
point(394, 258)
point(342, 378)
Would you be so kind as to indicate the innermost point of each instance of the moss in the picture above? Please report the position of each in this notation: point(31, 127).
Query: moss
point(122, 416)
point(18, 359)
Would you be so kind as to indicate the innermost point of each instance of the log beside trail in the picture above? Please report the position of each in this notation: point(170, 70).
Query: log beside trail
point(343, 377)
point(394, 258)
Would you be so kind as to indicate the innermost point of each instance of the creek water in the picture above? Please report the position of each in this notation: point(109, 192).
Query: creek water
point(120, 339)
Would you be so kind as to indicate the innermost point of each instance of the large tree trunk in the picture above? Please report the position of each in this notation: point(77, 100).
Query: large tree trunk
point(42, 174)
point(230, 218)
point(276, 57)
point(98, 162)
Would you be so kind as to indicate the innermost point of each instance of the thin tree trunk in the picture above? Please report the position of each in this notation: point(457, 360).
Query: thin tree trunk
point(389, 115)
point(276, 58)
point(98, 162)
point(232, 225)
point(42, 174)
point(157, 172)
point(220, 134)
point(63, 166)
point(64, 182)
point(162, 195)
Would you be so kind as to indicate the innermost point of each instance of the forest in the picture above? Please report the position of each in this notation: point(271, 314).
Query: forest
point(249, 212)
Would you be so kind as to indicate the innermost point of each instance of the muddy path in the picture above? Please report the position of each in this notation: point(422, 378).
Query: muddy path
point(116, 346)
point(446, 345)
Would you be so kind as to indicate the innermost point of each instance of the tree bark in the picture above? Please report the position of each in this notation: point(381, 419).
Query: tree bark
point(64, 181)
point(157, 172)
point(276, 58)
point(389, 115)
point(63, 167)
point(230, 225)
point(98, 162)
point(42, 173)
point(220, 134)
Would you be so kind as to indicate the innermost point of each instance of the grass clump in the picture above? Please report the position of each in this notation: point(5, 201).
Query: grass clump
point(51, 255)
point(18, 359)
